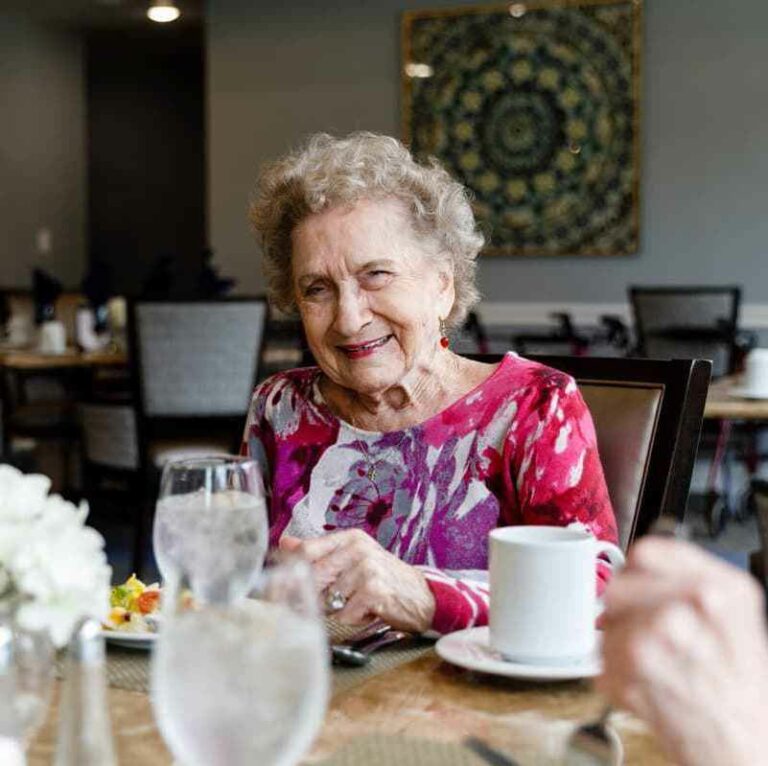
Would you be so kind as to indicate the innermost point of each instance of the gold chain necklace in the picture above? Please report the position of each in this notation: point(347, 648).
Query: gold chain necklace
point(364, 448)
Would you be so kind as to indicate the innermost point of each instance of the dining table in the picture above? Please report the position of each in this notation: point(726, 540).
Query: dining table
point(29, 359)
point(407, 706)
point(724, 403)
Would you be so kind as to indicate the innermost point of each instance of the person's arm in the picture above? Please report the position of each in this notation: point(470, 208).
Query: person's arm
point(461, 598)
point(685, 648)
point(554, 477)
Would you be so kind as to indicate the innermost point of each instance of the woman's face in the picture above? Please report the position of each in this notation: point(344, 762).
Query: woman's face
point(370, 299)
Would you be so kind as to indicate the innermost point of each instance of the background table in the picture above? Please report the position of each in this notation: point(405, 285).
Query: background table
point(14, 359)
point(728, 408)
point(722, 404)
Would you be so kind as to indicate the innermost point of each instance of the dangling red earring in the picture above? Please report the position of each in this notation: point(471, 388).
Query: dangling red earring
point(444, 342)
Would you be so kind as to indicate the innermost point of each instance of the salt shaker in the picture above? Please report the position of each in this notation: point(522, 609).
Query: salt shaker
point(85, 733)
point(11, 750)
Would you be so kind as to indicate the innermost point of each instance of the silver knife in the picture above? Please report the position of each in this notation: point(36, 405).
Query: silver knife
point(487, 753)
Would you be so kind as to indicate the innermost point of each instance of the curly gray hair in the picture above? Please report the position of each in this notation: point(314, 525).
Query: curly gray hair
point(329, 171)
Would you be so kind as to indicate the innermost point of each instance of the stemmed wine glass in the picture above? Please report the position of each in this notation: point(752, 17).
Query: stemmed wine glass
point(211, 525)
point(242, 681)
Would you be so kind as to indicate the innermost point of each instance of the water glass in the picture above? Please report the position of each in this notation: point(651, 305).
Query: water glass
point(211, 525)
point(243, 681)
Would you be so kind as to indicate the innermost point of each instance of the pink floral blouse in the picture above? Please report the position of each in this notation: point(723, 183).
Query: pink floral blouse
point(518, 449)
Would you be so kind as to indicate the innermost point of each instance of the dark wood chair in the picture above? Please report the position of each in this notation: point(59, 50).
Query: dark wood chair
point(194, 365)
point(759, 560)
point(647, 417)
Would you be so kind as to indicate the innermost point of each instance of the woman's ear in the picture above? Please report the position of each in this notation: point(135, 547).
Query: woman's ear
point(446, 290)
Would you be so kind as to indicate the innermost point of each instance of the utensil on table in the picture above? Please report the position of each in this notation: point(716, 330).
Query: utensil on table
point(489, 754)
point(357, 653)
point(596, 742)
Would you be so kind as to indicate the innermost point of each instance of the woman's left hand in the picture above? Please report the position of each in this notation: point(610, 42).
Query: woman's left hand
point(375, 583)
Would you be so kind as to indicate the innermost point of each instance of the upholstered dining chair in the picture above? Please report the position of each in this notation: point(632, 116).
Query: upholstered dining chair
point(647, 416)
point(194, 365)
point(759, 560)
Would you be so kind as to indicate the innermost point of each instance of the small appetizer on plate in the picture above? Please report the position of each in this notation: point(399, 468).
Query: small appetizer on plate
point(134, 607)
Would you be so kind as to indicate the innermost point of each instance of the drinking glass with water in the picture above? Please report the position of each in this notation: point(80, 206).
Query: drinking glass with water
point(245, 681)
point(240, 666)
point(211, 524)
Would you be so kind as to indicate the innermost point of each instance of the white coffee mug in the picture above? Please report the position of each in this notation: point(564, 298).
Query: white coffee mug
point(543, 585)
point(755, 379)
point(52, 338)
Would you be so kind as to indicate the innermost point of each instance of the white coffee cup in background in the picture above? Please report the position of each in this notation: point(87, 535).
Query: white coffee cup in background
point(754, 382)
point(543, 584)
point(52, 337)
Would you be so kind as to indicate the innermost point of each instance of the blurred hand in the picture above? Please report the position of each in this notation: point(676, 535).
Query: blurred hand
point(685, 648)
point(375, 583)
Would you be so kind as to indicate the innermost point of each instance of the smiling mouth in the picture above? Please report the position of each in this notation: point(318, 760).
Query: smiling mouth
point(363, 348)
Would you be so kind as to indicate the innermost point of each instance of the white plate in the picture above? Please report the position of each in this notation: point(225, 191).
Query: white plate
point(130, 640)
point(470, 649)
point(746, 393)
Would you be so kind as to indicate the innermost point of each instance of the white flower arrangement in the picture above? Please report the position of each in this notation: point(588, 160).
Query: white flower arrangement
point(53, 569)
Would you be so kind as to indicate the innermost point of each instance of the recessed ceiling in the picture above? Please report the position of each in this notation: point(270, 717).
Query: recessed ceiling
point(99, 13)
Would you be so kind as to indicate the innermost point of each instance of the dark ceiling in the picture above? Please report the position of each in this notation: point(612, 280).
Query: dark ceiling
point(114, 14)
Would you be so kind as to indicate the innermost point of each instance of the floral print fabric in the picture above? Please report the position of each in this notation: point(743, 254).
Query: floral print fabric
point(518, 449)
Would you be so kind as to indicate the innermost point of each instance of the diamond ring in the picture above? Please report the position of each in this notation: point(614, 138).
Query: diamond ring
point(334, 601)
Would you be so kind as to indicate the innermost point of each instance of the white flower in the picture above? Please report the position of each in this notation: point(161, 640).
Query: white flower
point(21, 497)
point(53, 567)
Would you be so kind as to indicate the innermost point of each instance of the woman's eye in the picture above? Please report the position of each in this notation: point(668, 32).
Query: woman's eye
point(313, 291)
point(377, 276)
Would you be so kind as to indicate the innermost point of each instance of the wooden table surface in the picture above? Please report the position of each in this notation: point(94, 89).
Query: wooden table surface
point(426, 698)
point(722, 404)
point(34, 360)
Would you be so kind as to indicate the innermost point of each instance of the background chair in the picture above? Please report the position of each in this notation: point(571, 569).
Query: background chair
point(688, 322)
point(759, 560)
point(194, 365)
point(38, 405)
point(701, 322)
point(647, 417)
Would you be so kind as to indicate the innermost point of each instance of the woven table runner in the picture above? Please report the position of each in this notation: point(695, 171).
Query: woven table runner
point(129, 668)
point(388, 750)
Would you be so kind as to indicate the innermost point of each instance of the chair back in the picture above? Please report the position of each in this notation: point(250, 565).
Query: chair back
point(760, 492)
point(647, 417)
point(109, 435)
point(196, 359)
point(687, 322)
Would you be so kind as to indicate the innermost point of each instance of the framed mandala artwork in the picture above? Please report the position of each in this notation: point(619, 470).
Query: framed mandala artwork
point(535, 107)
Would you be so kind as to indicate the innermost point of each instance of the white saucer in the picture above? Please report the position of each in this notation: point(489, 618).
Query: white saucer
point(745, 393)
point(129, 640)
point(470, 649)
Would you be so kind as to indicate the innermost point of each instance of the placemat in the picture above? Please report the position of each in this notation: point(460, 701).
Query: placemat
point(129, 668)
point(383, 750)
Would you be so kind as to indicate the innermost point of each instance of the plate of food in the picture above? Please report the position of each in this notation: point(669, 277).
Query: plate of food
point(134, 614)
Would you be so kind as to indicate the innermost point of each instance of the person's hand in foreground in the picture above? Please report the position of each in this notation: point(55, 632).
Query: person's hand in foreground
point(685, 648)
point(375, 583)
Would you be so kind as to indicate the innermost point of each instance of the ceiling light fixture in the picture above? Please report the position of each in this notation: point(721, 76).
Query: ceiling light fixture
point(163, 11)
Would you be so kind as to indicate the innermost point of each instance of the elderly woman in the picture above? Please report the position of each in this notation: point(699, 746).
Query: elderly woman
point(391, 461)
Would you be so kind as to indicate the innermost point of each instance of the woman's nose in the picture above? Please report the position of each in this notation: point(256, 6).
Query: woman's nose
point(352, 313)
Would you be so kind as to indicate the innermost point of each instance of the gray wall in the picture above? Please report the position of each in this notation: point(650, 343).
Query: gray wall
point(42, 151)
point(274, 75)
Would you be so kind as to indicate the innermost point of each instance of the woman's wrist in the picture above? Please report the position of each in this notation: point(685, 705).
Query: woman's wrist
point(424, 603)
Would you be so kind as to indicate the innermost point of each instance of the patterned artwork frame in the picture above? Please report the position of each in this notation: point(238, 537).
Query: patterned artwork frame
point(535, 107)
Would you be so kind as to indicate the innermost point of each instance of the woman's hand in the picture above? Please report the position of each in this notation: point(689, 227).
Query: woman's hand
point(376, 584)
point(685, 647)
